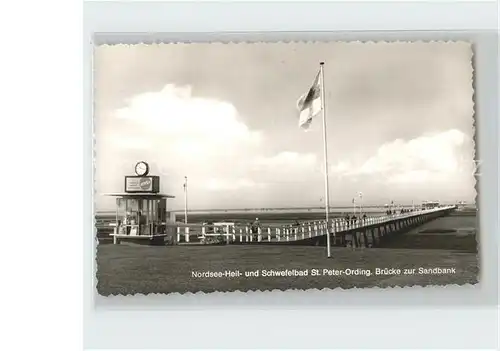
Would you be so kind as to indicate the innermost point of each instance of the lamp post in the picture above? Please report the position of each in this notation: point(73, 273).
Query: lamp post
point(360, 194)
point(185, 200)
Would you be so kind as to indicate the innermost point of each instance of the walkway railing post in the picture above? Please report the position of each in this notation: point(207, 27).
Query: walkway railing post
point(385, 224)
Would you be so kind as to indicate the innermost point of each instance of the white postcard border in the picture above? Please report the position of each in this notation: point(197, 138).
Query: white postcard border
point(99, 312)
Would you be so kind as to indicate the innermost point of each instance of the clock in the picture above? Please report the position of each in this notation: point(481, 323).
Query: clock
point(141, 169)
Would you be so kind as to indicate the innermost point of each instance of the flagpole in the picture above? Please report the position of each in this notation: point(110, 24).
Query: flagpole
point(327, 192)
point(185, 199)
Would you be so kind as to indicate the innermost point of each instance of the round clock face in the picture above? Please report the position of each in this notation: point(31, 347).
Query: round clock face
point(141, 168)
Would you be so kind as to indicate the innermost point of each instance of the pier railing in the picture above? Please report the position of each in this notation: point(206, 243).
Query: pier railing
point(243, 233)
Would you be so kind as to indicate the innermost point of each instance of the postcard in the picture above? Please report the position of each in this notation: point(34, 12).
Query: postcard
point(262, 166)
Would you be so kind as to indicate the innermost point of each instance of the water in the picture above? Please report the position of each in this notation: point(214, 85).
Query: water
point(451, 233)
point(267, 218)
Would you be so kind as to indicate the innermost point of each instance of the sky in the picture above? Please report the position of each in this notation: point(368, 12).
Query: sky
point(399, 122)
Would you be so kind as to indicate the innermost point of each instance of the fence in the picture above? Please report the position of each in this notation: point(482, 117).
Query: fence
point(231, 232)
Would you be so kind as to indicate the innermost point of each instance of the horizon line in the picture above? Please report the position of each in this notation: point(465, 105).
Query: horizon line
point(249, 209)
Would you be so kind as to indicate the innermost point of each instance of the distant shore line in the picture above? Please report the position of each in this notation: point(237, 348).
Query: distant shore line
point(338, 209)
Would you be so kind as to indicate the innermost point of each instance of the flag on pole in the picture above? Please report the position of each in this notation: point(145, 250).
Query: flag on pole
point(310, 103)
point(353, 200)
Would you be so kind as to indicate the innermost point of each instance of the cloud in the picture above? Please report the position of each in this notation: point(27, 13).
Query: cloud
point(189, 121)
point(231, 184)
point(429, 158)
point(205, 139)
point(224, 125)
point(418, 176)
point(286, 161)
point(287, 167)
point(130, 143)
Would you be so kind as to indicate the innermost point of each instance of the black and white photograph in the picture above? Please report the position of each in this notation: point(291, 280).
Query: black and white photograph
point(275, 166)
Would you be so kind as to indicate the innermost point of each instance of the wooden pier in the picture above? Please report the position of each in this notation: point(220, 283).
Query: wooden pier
point(364, 232)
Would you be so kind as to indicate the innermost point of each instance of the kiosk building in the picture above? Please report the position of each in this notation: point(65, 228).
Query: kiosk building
point(141, 210)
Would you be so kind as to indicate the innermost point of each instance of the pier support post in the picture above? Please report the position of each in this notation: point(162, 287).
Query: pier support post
point(352, 238)
point(356, 239)
point(362, 239)
point(373, 238)
point(369, 237)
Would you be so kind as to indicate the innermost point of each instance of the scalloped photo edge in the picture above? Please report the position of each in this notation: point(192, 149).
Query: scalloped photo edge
point(264, 166)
